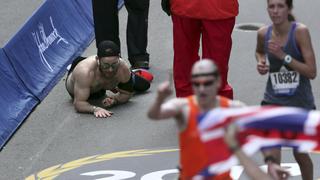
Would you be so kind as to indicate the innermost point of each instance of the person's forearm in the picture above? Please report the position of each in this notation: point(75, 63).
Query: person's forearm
point(259, 56)
point(84, 107)
point(309, 71)
point(250, 167)
point(121, 98)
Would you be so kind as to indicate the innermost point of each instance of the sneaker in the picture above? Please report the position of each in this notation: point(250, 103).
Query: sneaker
point(144, 74)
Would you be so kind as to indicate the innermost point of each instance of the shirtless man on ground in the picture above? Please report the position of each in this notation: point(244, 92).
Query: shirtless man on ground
point(91, 77)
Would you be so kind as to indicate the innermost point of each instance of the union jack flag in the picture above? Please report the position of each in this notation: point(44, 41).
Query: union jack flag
point(259, 127)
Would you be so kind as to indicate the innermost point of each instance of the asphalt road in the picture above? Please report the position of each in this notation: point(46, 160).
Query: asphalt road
point(54, 134)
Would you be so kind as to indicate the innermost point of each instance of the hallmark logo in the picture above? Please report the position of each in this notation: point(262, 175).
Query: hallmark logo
point(43, 41)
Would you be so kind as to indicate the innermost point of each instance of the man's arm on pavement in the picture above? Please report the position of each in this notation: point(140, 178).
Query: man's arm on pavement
point(82, 84)
point(122, 96)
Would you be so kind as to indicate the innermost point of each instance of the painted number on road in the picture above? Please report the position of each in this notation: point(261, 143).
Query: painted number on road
point(121, 175)
point(115, 174)
point(236, 173)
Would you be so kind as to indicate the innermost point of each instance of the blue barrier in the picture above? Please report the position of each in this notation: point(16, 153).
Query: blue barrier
point(47, 44)
point(15, 100)
point(35, 59)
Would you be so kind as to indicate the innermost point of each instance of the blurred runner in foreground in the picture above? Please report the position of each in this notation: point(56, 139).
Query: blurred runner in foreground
point(206, 82)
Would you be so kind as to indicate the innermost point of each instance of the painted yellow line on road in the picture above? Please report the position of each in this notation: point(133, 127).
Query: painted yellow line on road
point(54, 171)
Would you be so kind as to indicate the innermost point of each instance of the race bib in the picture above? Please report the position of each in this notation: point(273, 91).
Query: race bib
point(285, 82)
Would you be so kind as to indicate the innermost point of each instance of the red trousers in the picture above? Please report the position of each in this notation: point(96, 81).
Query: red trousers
point(216, 45)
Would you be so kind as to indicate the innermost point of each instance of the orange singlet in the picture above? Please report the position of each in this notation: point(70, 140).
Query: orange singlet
point(192, 151)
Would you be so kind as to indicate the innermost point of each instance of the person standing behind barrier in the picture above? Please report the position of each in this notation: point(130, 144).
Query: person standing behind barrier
point(213, 22)
point(287, 46)
point(206, 81)
point(106, 23)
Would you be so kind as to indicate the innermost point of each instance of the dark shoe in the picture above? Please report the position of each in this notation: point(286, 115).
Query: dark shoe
point(140, 65)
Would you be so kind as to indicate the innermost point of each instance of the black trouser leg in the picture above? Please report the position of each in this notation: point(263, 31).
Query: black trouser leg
point(106, 22)
point(137, 30)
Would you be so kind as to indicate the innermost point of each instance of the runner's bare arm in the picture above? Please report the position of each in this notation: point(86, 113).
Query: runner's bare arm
point(161, 109)
point(262, 66)
point(307, 68)
point(260, 54)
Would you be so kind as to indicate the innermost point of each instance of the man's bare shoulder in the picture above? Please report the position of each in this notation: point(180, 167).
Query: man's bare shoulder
point(85, 70)
point(124, 62)
point(302, 31)
point(124, 72)
point(87, 65)
point(263, 29)
point(124, 66)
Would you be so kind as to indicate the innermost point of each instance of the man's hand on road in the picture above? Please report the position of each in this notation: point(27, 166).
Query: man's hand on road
point(102, 113)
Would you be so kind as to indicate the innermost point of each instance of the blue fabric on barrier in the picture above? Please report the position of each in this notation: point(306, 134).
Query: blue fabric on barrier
point(42, 49)
point(15, 100)
point(35, 59)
